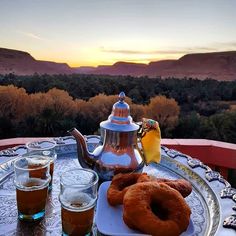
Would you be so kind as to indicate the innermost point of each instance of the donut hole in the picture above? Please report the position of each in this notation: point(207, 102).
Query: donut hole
point(159, 211)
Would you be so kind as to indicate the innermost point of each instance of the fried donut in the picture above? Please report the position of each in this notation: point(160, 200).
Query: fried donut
point(156, 209)
point(181, 185)
point(121, 182)
point(119, 185)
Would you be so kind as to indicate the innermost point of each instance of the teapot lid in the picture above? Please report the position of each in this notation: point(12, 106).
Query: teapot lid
point(120, 119)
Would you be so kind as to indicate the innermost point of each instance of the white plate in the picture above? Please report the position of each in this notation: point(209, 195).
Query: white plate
point(109, 220)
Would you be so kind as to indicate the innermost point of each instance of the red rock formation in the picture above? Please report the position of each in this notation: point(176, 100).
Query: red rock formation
point(216, 65)
point(22, 63)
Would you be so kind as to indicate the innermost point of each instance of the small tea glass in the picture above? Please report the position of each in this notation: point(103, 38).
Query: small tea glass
point(44, 148)
point(78, 198)
point(31, 180)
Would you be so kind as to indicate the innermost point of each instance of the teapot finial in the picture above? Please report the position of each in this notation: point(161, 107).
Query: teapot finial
point(122, 96)
point(120, 119)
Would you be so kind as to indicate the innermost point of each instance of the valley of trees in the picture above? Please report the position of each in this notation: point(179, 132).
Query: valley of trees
point(49, 105)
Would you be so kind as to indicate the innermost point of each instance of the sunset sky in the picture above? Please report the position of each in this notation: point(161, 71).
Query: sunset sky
point(98, 32)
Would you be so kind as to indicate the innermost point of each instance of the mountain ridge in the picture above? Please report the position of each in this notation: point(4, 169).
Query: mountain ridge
point(215, 65)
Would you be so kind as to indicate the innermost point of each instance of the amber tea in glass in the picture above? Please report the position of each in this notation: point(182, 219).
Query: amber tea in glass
point(78, 198)
point(44, 148)
point(31, 180)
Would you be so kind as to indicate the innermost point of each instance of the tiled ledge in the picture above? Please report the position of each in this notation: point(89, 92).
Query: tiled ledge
point(208, 151)
point(220, 156)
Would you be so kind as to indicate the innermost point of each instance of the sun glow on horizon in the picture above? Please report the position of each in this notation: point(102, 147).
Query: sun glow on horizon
point(95, 56)
point(96, 60)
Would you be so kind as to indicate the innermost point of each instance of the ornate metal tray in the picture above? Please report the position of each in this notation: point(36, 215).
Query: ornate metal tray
point(211, 201)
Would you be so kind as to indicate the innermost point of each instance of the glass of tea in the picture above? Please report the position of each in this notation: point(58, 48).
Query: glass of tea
point(44, 148)
point(78, 198)
point(31, 180)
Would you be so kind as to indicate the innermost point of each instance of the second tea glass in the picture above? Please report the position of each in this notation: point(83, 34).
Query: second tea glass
point(44, 148)
point(78, 198)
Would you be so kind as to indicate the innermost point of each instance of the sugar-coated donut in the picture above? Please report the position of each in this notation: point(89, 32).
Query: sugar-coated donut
point(156, 209)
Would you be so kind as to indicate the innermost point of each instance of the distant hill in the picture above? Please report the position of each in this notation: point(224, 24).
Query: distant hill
point(122, 68)
point(215, 65)
point(22, 63)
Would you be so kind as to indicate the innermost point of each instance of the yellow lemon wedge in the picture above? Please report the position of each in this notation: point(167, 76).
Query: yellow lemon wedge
point(151, 141)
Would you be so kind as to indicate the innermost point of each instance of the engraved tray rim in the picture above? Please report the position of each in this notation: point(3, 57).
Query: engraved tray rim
point(221, 189)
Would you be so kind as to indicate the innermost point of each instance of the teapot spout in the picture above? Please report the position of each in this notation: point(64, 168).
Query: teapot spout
point(85, 158)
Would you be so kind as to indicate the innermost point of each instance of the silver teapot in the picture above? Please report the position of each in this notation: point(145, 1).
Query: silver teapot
point(119, 151)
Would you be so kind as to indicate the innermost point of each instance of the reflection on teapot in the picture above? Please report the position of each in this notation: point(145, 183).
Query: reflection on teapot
point(119, 152)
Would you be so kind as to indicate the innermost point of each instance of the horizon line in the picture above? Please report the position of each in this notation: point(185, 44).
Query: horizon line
point(134, 61)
